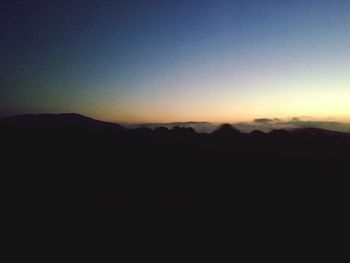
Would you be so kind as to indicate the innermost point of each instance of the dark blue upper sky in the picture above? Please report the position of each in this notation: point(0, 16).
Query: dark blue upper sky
point(176, 60)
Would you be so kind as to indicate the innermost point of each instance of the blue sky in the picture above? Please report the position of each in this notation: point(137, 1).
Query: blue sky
point(147, 61)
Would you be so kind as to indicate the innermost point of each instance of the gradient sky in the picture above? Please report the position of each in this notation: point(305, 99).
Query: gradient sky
point(176, 60)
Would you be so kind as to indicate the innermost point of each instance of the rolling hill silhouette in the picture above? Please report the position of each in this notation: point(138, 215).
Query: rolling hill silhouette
point(318, 132)
point(77, 121)
point(56, 121)
point(69, 161)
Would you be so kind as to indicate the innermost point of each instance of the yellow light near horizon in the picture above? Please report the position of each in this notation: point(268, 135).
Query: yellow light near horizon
point(317, 98)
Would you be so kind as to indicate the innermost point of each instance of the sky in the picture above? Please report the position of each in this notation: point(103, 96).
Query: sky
point(176, 60)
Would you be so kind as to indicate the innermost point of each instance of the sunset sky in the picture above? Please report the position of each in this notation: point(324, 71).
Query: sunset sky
point(176, 60)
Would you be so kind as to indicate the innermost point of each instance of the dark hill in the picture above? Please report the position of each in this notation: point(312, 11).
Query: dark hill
point(51, 166)
point(56, 121)
point(318, 132)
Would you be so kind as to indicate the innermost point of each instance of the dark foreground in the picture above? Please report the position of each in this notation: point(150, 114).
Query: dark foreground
point(78, 167)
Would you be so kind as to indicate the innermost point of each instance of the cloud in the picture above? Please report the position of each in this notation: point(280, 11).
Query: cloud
point(201, 127)
point(266, 124)
point(262, 124)
point(263, 120)
point(327, 125)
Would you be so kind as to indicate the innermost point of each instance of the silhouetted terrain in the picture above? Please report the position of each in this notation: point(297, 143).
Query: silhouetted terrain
point(72, 163)
point(56, 121)
point(201, 127)
point(262, 124)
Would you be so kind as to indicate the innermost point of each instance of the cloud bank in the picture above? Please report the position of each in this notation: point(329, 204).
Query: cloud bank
point(266, 125)
point(262, 124)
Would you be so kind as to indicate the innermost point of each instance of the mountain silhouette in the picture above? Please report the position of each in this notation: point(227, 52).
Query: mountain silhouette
point(202, 127)
point(226, 130)
point(69, 163)
point(56, 121)
point(317, 132)
point(77, 121)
